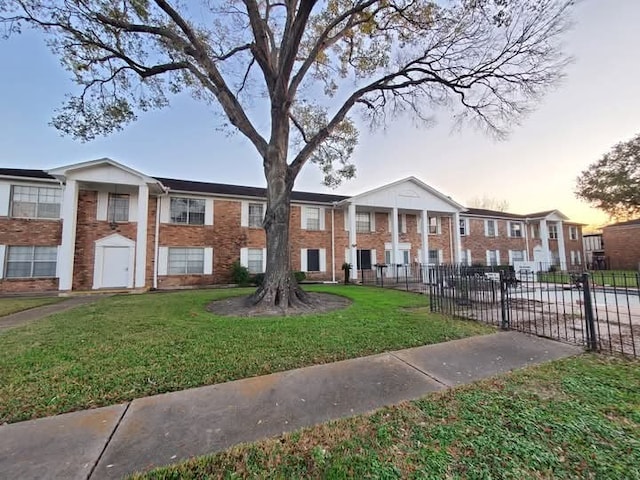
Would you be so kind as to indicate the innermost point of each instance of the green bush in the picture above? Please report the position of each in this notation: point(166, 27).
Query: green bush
point(300, 276)
point(239, 274)
point(257, 279)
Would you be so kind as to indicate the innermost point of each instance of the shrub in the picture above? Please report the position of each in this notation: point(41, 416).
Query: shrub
point(239, 274)
point(257, 279)
point(300, 276)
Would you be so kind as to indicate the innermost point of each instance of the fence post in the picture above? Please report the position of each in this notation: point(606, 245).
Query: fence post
point(592, 341)
point(504, 310)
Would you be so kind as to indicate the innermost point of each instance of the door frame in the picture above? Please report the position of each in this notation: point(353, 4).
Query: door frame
point(114, 240)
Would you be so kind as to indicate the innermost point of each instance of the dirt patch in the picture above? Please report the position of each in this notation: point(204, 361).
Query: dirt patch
point(242, 307)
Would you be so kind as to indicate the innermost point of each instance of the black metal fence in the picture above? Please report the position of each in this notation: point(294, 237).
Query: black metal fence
point(599, 310)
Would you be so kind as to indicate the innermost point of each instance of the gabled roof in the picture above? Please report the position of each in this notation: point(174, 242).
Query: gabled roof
point(60, 172)
point(242, 191)
point(415, 181)
point(624, 224)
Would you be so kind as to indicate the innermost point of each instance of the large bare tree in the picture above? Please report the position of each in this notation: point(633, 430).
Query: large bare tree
point(290, 74)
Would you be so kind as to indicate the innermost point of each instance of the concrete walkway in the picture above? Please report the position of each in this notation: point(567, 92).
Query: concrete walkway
point(111, 442)
point(31, 315)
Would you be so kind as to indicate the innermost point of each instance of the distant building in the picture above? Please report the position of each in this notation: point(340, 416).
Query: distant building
point(594, 251)
point(622, 245)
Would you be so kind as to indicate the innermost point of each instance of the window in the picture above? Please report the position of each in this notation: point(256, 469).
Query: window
point(35, 202)
point(573, 233)
point(363, 259)
point(433, 226)
point(363, 222)
point(118, 208)
point(188, 211)
point(434, 257)
point(183, 261)
point(31, 262)
point(254, 260)
point(576, 258)
point(515, 229)
point(256, 215)
point(553, 232)
point(535, 231)
point(491, 229)
point(493, 257)
point(463, 227)
point(313, 260)
point(517, 256)
point(313, 218)
point(465, 257)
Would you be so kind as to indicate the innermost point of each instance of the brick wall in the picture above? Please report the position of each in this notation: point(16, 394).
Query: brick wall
point(88, 230)
point(622, 246)
point(17, 231)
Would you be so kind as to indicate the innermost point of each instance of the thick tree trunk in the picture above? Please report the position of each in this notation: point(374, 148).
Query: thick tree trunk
point(279, 288)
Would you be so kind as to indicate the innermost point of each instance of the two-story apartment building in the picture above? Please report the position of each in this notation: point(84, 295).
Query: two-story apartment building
point(101, 225)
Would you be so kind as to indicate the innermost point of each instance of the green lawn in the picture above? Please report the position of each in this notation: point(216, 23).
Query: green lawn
point(574, 418)
point(13, 305)
point(125, 347)
point(618, 278)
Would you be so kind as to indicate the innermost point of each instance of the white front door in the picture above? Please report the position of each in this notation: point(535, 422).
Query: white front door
point(539, 257)
point(115, 267)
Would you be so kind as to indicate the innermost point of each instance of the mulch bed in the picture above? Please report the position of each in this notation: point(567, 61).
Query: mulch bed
point(242, 307)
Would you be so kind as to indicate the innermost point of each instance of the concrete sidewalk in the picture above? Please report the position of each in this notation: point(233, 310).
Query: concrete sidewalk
point(33, 314)
point(114, 441)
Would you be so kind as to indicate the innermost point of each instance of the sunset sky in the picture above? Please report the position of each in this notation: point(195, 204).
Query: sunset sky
point(535, 169)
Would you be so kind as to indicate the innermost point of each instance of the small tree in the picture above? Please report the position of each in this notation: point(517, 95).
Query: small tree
point(308, 64)
point(490, 203)
point(612, 184)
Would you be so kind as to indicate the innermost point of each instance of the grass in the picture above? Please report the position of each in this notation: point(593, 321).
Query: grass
point(127, 347)
point(574, 418)
point(18, 304)
point(618, 278)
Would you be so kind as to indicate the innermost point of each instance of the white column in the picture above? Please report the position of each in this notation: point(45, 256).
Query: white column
point(395, 254)
point(141, 236)
point(68, 214)
point(424, 230)
point(544, 237)
point(353, 246)
point(561, 251)
point(457, 238)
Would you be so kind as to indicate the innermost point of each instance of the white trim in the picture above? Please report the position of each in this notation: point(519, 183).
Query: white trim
point(244, 257)
point(63, 172)
point(163, 260)
point(303, 259)
point(374, 260)
point(114, 240)
point(102, 206)
point(141, 235)
point(3, 249)
point(165, 209)
point(264, 260)
point(5, 199)
point(208, 261)
point(209, 207)
point(69, 216)
point(323, 259)
point(244, 214)
point(372, 221)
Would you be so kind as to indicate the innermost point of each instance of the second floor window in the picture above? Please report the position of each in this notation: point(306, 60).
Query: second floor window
point(118, 208)
point(463, 227)
point(553, 232)
point(35, 202)
point(189, 211)
point(491, 228)
point(313, 218)
point(256, 215)
point(433, 226)
point(363, 222)
point(515, 229)
point(573, 233)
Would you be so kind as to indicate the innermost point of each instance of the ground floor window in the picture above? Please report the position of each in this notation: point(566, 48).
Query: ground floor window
point(434, 257)
point(517, 256)
point(493, 257)
point(313, 260)
point(31, 262)
point(465, 257)
point(183, 261)
point(576, 258)
point(254, 260)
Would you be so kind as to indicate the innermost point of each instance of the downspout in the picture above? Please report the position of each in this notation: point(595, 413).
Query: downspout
point(333, 244)
point(451, 226)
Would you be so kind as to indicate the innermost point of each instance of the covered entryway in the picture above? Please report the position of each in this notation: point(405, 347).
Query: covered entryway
point(114, 262)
